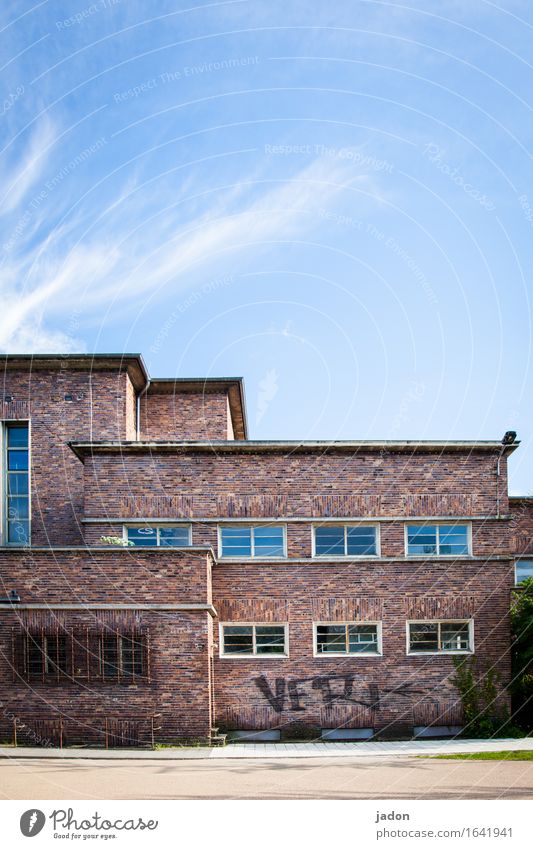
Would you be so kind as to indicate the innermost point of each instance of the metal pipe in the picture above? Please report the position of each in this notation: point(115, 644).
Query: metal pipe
point(138, 417)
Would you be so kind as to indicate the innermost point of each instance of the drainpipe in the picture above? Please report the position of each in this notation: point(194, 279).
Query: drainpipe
point(139, 396)
point(508, 438)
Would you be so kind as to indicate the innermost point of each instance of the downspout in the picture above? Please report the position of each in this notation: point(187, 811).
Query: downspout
point(138, 417)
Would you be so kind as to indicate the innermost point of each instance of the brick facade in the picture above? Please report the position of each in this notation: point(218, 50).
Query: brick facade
point(96, 467)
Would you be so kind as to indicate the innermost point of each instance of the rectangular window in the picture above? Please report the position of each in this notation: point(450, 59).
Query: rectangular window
point(347, 638)
point(16, 483)
point(252, 541)
point(122, 656)
point(523, 570)
point(253, 640)
point(174, 536)
point(46, 655)
point(438, 540)
point(345, 540)
point(439, 637)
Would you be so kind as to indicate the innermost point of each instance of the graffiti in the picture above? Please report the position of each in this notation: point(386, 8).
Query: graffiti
point(333, 689)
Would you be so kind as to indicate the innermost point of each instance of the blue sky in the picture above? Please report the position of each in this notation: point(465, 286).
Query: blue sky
point(333, 200)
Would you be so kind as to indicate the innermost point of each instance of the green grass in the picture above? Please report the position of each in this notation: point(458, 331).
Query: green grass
point(488, 756)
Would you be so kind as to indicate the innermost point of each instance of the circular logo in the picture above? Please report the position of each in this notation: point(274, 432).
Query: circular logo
point(32, 822)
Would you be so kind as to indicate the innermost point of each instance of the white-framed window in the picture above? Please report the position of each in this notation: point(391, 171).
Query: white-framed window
point(345, 540)
point(438, 539)
point(447, 636)
point(246, 541)
point(523, 569)
point(166, 536)
point(16, 482)
point(347, 638)
point(248, 639)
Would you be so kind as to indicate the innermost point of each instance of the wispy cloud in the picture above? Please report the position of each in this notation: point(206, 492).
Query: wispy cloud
point(124, 254)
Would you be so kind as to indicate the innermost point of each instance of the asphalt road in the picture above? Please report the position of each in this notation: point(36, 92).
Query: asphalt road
point(291, 778)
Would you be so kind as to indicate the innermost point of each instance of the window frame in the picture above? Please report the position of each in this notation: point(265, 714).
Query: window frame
point(439, 524)
point(440, 652)
point(158, 528)
point(516, 562)
point(254, 656)
point(5, 424)
point(252, 555)
point(120, 676)
point(345, 525)
point(347, 654)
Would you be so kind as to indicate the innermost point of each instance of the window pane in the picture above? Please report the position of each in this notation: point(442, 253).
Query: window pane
point(329, 541)
point(422, 539)
point(454, 636)
point(18, 531)
point(131, 656)
point(362, 638)
point(17, 460)
point(174, 536)
point(361, 540)
point(110, 661)
point(35, 655)
point(524, 569)
point(270, 639)
point(268, 541)
point(56, 654)
point(424, 637)
point(238, 639)
point(17, 483)
point(17, 436)
point(18, 508)
point(330, 638)
point(236, 542)
point(142, 536)
point(453, 539)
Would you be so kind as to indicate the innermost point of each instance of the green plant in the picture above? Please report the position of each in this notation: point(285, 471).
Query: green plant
point(522, 653)
point(479, 691)
point(120, 541)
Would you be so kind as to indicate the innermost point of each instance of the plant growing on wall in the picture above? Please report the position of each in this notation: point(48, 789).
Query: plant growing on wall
point(120, 541)
point(483, 717)
point(522, 654)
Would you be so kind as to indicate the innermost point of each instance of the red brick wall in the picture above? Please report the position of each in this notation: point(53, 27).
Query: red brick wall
point(184, 415)
point(521, 526)
point(98, 411)
point(177, 693)
point(385, 692)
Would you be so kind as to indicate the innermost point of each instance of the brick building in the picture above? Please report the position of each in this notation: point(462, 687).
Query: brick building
point(163, 575)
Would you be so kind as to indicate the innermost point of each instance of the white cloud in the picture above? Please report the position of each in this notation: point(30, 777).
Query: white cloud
point(124, 255)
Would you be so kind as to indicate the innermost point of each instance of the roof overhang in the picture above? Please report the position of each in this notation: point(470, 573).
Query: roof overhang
point(132, 363)
point(87, 449)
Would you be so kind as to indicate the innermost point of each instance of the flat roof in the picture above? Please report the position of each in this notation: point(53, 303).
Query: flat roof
point(251, 446)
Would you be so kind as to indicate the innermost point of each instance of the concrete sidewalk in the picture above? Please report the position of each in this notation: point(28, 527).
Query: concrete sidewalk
point(281, 750)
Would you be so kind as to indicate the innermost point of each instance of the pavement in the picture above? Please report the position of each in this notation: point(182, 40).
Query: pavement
point(281, 751)
point(295, 778)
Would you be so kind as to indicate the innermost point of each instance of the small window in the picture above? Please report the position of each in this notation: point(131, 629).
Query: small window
point(439, 637)
point(523, 570)
point(47, 655)
point(122, 656)
point(252, 541)
point(252, 640)
point(347, 638)
point(345, 540)
point(174, 536)
point(438, 540)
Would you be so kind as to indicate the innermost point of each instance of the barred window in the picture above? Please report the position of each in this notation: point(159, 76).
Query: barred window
point(122, 656)
point(46, 655)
